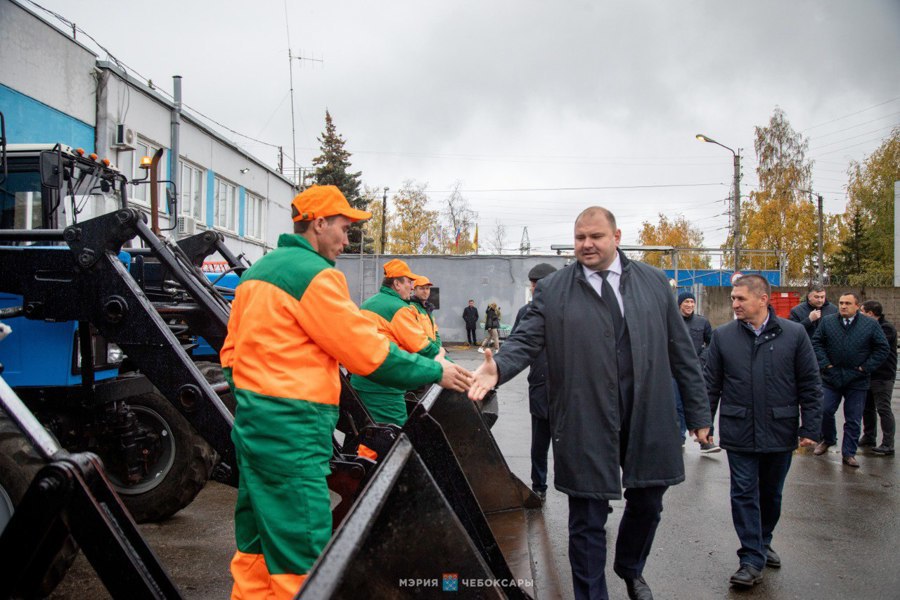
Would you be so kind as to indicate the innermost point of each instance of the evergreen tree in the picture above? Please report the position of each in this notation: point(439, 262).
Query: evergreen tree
point(333, 168)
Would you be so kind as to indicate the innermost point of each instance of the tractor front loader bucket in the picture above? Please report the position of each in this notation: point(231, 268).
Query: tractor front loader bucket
point(402, 539)
point(466, 465)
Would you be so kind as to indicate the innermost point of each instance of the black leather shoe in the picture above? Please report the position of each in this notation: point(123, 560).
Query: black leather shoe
point(883, 450)
point(746, 576)
point(864, 442)
point(638, 589)
point(850, 461)
point(772, 558)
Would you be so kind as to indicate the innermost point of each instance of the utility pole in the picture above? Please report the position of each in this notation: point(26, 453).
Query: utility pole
point(737, 210)
point(383, 216)
point(821, 236)
point(525, 242)
point(291, 59)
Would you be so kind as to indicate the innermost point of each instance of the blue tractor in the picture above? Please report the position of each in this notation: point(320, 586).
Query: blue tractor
point(103, 329)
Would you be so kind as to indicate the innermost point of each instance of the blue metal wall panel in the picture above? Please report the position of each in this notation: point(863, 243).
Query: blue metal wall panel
point(31, 122)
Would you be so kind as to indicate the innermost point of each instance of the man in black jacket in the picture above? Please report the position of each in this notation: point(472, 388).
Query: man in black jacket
point(614, 338)
point(810, 313)
point(764, 371)
point(538, 397)
point(849, 347)
point(701, 332)
point(470, 316)
point(878, 401)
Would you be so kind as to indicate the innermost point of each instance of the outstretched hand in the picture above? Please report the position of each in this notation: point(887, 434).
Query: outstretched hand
point(701, 435)
point(485, 377)
point(455, 377)
point(806, 442)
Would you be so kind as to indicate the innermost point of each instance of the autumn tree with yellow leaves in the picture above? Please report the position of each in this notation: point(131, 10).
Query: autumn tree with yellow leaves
point(779, 216)
point(678, 233)
point(413, 228)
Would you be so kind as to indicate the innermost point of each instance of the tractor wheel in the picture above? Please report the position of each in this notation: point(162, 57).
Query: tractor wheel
point(19, 463)
point(178, 468)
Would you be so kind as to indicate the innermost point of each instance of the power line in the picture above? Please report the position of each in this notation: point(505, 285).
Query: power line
point(580, 189)
point(853, 114)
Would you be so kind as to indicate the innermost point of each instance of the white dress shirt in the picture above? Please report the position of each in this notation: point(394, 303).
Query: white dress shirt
point(614, 277)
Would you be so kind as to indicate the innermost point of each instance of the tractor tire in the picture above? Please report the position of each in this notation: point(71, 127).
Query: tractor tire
point(212, 371)
point(19, 463)
point(181, 468)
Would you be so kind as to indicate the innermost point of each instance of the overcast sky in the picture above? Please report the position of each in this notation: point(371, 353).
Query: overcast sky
point(518, 99)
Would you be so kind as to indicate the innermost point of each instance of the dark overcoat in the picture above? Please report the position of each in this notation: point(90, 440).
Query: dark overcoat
point(766, 383)
point(569, 320)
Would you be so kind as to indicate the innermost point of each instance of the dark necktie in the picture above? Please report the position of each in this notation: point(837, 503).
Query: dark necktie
point(846, 322)
point(612, 304)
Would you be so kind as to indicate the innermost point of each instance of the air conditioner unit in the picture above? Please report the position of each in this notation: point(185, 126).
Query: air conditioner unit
point(187, 225)
point(126, 137)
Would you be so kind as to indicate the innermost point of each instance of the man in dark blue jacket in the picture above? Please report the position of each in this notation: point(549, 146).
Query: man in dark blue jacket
point(810, 313)
point(538, 398)
point(763, 370)
point(849, 347)
point(878, 401)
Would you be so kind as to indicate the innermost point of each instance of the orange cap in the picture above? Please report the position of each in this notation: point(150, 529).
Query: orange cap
point(422, 281)
point(398, 268)
point(324, 201)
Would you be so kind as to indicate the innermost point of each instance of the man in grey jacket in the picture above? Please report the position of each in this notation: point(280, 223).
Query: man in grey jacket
point(614, 337)
point(764, 371)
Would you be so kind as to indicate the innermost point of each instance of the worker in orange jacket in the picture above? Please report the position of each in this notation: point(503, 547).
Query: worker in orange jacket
point(396, 318)
point(292, 323)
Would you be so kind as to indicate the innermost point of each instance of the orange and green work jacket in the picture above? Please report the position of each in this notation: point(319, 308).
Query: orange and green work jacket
point(427, 321)
point(400, 322)
point(292, 322)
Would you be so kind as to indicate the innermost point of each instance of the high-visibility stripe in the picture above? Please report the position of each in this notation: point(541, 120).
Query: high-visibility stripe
point(252, 580)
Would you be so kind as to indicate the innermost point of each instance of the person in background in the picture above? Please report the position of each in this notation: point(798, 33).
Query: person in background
point(398, 320)
point(764, 371)
point(470, 316)
point(810, 312)
point(538, 397)
point(878, 401)
point(419, 300)
point(491, 327)
point(849, 348)
point(701, 332)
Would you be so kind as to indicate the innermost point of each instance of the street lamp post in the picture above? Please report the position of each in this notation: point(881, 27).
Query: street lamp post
point(383, 216)
point(737, 197)
point(821, 233)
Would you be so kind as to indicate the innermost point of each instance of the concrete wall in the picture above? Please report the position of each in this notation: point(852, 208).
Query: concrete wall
point(485, 279)
point(504, 280)
point(717, 300)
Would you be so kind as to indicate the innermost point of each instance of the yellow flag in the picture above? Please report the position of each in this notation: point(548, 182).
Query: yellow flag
point(475, 239)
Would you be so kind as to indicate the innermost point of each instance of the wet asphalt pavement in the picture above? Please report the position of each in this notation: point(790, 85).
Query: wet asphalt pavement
point(837, 537)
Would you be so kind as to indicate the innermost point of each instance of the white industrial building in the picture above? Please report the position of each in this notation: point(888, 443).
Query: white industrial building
point(53, 89)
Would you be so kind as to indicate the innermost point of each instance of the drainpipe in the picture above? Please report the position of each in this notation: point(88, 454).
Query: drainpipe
point(173, 156)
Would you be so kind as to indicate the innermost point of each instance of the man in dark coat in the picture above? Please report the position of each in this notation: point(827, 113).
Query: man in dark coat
point(878, 401)
point(538, 397)
point(810, 312)
point(614, 338)
point(764, 371)
point(470, 316)
point(701, 332)
point(849, 347)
